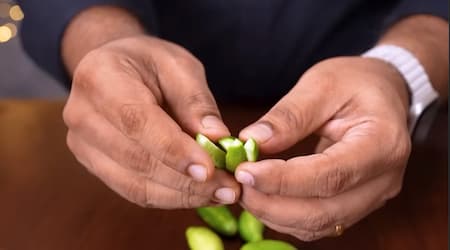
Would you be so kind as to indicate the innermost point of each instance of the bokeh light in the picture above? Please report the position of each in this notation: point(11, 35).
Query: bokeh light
point(13, 29)
point(5, 34)
point(16, 13)
point(4, 10)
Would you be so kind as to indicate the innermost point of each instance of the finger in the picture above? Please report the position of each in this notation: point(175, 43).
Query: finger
point(305, 235)
point(320, 216)
point(184, 86)
point(355, 159)
point(298, 233)
point(98, 133)
point(132, 110)
point(304, 109)
point(135, 188)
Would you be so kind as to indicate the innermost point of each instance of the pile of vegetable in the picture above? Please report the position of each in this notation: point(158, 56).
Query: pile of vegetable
point(228, 155)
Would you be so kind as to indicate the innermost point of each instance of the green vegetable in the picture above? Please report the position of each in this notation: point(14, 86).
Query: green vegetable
point(220, 219)
point(251, 150)
point(216, 154)
point(235, 155)
point(226, 142)
point(250, 228)
point(236, 151)
point(202, 238)
point(268, 245)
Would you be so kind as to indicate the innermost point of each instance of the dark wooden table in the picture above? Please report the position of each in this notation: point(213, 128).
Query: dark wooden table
point(48, 201)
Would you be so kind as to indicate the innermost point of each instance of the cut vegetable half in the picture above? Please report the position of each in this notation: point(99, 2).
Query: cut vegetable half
point(226, 142)
point(235, 155)
point(251, 149)
point(217, 155)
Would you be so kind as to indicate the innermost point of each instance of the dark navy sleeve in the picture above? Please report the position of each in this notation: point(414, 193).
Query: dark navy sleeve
point(45, 22)
point(406, 8)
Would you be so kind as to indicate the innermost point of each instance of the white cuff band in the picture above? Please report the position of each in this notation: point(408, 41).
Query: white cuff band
point(422, 92)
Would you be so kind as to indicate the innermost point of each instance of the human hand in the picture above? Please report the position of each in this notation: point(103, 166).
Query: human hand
point(121, 131)
point(358, 107)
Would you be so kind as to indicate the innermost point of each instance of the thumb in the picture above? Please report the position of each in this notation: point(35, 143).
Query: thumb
point(192, 103)
point(299, 113)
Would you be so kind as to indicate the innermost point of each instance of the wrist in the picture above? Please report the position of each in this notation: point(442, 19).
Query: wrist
point(426, 37)
point(415, 77)
point(94, 27)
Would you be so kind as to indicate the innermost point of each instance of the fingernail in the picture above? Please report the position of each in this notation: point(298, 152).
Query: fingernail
point(261, 132)
point(197, 172)
point(212, 122)
point(225, 195)
point(245, 178)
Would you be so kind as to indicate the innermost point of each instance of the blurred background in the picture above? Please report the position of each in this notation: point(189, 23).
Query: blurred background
point(19, 76)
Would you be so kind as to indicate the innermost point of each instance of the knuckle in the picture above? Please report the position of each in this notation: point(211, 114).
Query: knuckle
point(332, 182)
point(400, 145)
point(70, 141)
point(190, 186)
point(318, 221)
point(72, 118)
point(284, 187)
point(192, 201)
point(288, 116)
point(189, 197)
point(201, 103)
point(137, 194)
point(183, 59)
point(133, 120)
point(169, 148)
point(395, 187)
point(190, 62)
point(127, 65)
point(395, 191)
point(325, 75)
point(327, 79)
point(403, 150)
point(201, 100)
point(306, 236)
point(186, 200)
point(142, 161)
point(88, 72)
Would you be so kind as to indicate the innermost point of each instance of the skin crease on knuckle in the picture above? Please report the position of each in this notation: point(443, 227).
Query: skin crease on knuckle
point(301, 234)
point(139, 193)
point(169, 146)
point(187, 200)
point(317, 221)
point(332, 181)
point(200, 103)
point(90, 71)
point(143, 69)
point(306, 229)
point(284, 187)
point(133, 120)
point(140, 160)
point(135, 124)
point(286, 117)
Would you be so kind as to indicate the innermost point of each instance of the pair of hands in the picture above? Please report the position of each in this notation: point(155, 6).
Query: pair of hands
point(136, 103)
